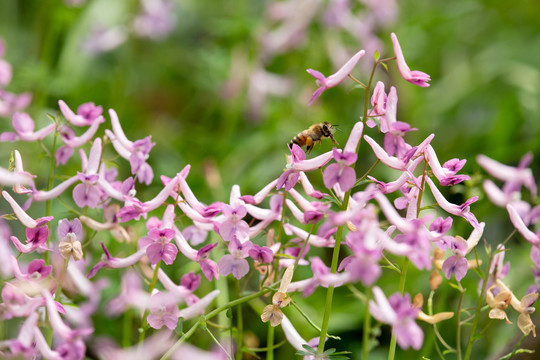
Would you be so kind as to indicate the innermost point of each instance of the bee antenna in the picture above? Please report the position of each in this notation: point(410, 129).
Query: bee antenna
point(338, 129)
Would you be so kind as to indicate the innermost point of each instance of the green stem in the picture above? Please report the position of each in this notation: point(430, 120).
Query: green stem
point(145, 314)
point(50, 181)
point(126, 330)
point(50, 184)
point(184, 337)
point(514, 352)
point(392, 349)
point(330, 291)
point(239, 326)
point(270, 343)
point(468, 350)
point(367, 326)
point(458, 330)
point(304, 245)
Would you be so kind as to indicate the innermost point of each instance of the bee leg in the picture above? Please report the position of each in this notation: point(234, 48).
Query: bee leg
point(309, 145)
point(334, 142)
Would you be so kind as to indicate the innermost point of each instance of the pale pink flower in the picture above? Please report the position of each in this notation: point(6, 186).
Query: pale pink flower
point(327, 82)
point(414, 77)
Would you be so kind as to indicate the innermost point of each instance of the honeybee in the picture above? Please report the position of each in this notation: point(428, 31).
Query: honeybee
point(315, 134)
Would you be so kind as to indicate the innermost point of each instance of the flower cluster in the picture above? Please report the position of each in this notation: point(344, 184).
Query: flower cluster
point(406, 219)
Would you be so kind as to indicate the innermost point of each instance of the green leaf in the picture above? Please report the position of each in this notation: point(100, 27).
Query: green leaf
point(329, 351)
point(376, 55)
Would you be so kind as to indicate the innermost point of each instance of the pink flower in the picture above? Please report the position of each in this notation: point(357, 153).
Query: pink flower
point(23, 217)
point(156, 20)
point(24, 129)
point(158, 246)
point(9, 104)
point(515, 175)
point(135, 151)
point(462, 210)
point(398, 312)
point(87, 114)
point(19, 176)
point(5, 73)
point(163, 311)
point(134, 208)
point(446, 174)
point(333, 80)
point(414, 77)
point(116, 263)
point(533, 238)
point(36, 238)
point(131, 295)
point(378, 103)
point(341, 172)
point(234, 228)
point(235, 262)
point(37, 270)
point(456, 264)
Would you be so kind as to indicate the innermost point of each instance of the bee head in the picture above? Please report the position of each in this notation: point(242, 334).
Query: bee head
point(329, 129)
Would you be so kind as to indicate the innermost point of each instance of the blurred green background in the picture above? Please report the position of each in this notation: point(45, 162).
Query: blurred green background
point(196, 90)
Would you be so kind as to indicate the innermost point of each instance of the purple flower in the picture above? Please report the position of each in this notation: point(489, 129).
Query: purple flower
point(198, 308)
point(36, 238)
point(87, 114)
point(341, 172)
point(37, 270)
point(459, 210)
point(288, 179)
point(234, 228)
point(71, 141)
point(24, 129)
point(190, 281)
point(195, 235)
point(134, 151)
point(333, 80)
point(131, 294)
point(414, 77)
point(158, 246)
point(456, 264)
point(19, 177)
point(261, 254)
point(163, 311)
point(156, 19)
point(9, 104)
point(235, 262)
point(103, 39)
point(394, 162)
point(364, 264)
point(134, 208)
point(514, 175)
point(517, 221)
point(296, 163)
point(87, 193)
point(400, 314)
point(70, 229)
point(116, 263)
point(446, 174)
point(441, 226)
point(208, 266)
point(378, 103)
point(5, 73)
